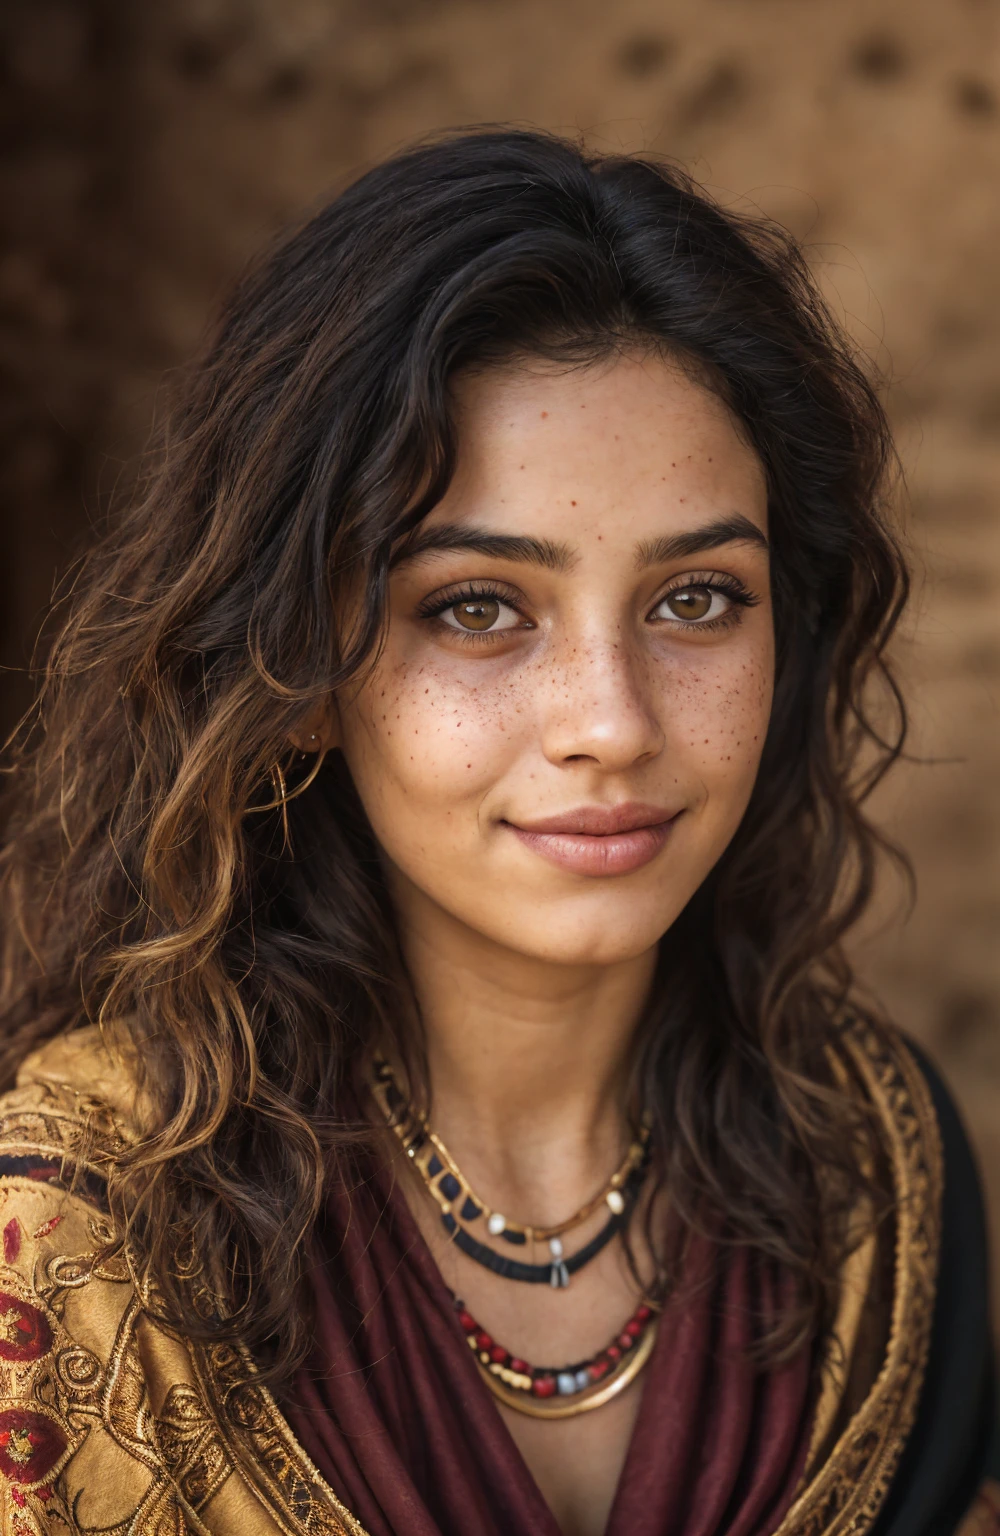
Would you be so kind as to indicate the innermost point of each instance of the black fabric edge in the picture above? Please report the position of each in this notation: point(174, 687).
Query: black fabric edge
point(954, 1440)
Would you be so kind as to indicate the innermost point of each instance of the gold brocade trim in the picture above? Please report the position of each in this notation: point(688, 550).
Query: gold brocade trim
point(262, 1446)
point(133, 1432)
point(844, 1496)
point(855, 1282)
point(56, 1121)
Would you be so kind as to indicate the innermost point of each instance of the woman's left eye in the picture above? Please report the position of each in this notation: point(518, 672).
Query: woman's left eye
point(479, 615)
point(693, 605)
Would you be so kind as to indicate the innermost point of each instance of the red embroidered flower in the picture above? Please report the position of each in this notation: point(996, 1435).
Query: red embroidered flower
point(24, 1331)
point(11, 1240)
point(30, 1445)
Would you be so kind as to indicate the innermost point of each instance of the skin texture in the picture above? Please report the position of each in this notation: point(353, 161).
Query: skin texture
point(532, 957)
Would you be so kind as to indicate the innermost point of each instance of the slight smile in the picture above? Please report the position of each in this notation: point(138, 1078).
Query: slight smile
point(599, 840)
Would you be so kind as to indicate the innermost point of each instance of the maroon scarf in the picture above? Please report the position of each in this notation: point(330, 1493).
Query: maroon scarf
point(391, 1408)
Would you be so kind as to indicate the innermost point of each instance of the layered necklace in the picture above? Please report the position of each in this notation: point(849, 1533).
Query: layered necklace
point(539, 1390)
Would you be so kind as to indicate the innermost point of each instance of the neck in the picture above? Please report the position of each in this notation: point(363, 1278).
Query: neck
point(528, 1060)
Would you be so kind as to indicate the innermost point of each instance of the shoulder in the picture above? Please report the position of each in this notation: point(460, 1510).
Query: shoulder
point(107, 1421)
point(948, 1450)
point(62, 1314)
point(69, 1112)
point(932, 1161)
point(930, 1408)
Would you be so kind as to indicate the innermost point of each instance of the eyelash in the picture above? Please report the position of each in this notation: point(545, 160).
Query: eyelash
point(441, 601)
point(729, 586)
point(433, 607)
point(712, 581)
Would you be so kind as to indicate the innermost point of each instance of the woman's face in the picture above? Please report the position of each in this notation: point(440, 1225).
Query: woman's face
point(563, 729)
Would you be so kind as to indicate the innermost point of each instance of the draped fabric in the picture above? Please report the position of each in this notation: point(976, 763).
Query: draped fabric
point(392, 1410)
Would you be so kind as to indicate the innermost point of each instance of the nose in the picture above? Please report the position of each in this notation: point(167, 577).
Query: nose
point(601, 706)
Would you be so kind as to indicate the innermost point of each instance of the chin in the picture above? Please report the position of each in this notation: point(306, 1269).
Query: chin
point(605, 939)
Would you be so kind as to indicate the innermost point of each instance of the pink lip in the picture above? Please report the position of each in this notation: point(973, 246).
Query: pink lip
point(600, 840)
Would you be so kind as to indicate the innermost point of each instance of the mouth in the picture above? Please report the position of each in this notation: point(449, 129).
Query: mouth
point(599, 840)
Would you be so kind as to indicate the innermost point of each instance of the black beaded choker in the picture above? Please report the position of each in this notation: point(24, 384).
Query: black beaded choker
point(453, 1194)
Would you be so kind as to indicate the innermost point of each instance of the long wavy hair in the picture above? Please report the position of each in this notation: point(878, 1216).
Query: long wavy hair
point(175, 874)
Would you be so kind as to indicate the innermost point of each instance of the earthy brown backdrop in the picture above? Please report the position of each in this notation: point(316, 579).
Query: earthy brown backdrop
point(150, 149)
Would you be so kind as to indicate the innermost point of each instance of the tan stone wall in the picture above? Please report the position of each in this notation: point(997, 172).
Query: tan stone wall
point(151, 147)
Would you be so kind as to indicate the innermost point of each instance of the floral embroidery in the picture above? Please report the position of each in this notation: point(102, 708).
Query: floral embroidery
point(30, 1445)
point(24, 1331)
point(11, 1241)
point(146, 1471)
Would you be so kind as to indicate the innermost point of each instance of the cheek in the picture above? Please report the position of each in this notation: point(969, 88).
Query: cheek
point(418, 736)
point(721, 720)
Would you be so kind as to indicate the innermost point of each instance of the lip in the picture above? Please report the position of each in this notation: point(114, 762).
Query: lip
point(599, 840)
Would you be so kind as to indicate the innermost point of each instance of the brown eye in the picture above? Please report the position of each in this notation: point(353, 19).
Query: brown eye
point(690, 602)
point(482, 613)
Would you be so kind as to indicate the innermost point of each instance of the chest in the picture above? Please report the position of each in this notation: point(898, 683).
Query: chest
point(575, 1461)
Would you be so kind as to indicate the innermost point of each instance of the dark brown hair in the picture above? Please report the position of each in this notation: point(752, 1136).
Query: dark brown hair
point(242, 952)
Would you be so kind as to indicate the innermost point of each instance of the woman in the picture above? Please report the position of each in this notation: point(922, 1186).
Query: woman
point(440, 1103)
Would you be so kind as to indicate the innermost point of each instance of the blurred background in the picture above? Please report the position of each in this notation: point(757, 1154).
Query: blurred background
point(151, 149)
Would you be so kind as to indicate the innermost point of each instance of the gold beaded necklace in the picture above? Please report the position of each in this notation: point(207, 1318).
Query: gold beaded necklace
point(452, 1191)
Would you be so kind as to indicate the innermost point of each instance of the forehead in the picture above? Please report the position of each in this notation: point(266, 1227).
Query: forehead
point(634, 443)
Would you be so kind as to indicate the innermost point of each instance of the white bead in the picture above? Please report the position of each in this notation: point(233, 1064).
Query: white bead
point(496, 1224)
point(616, 1201)
point(566, 1383)
point(555, 1248)
point(582, 1380)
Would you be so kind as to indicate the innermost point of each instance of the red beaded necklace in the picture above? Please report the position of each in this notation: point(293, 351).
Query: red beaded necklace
point(551, 1392)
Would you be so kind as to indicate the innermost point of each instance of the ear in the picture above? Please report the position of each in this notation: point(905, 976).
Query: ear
point(320, 730)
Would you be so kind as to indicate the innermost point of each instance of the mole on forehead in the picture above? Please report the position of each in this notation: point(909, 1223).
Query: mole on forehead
point(448, 538)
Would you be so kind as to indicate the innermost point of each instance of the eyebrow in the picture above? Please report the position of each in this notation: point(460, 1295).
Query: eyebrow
point(736, 529)
point(497, 546)
point(524, 549)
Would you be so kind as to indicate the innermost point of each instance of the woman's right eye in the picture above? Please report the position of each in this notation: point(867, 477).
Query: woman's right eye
point(477, 615)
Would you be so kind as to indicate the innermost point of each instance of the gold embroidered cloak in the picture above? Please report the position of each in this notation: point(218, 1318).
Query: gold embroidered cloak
point(109, 1423)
